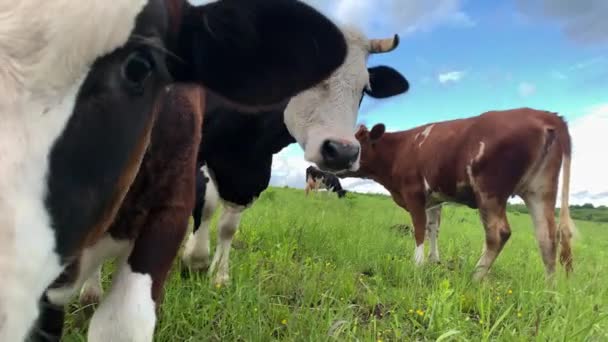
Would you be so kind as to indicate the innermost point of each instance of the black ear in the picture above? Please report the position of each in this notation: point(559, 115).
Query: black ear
point(386, 82)
point(258, 52)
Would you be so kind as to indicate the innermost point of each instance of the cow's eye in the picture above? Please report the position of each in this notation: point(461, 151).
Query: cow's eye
point(136, 70)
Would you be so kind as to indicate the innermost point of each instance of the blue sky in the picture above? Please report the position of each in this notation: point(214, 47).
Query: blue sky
point(466, 57)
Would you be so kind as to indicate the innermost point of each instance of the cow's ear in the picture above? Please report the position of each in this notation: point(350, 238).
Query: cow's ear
point(385, 82)
point(259, 52)
point(377, 132)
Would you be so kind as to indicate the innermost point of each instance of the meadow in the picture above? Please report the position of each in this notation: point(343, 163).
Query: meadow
point(324, 269)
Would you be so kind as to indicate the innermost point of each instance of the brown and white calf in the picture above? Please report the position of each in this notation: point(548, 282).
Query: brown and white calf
point(83, 86)
point(480, 162)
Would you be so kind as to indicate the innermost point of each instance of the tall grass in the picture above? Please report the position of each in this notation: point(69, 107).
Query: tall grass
point(325, 269)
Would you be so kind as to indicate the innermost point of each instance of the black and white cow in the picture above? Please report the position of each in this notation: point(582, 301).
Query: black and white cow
point(237, 150)
point(81, 82)
point(316, 179)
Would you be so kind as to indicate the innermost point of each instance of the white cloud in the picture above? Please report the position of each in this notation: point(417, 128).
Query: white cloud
point(526, 89)
point(366, 186)
point(450, 77)
point(558, 75)
point(580, 20)
point(401, 16)
point(589, 162)
point(289, 170)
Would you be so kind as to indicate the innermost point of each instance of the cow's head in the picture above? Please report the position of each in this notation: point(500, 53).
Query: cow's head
point(79, 81)
point(369, 152)
point(322, 119)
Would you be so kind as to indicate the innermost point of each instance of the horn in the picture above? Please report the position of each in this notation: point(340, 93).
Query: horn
point(383, 45)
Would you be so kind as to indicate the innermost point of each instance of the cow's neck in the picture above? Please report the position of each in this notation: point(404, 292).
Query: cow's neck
point(386, 151)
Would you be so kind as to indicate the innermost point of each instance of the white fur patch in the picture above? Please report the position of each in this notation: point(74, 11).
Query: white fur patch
point(329, 110)
point(419, 254)
point(90, 261)
point(427, 187)
point(482, 148)
point(424, 134)
point(128, 313)
point(46, 48)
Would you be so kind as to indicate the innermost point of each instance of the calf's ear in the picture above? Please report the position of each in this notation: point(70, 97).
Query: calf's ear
point(377, 132)
point(258, 52)
point(385, 82)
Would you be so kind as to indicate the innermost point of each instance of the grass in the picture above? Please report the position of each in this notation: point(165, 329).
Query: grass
point(324, 269)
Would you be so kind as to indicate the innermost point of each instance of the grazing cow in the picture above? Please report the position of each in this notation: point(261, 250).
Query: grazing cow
point(480, 162)
point(82, 83)
point(316, 178)
point(237, 150)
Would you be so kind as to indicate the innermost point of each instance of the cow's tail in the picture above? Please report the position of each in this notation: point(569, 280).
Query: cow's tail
point(566, 224)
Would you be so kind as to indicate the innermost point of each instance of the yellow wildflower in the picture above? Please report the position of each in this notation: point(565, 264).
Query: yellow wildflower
point(510, 291)
point(284, 322)
point(420, 312)
point(519, 314)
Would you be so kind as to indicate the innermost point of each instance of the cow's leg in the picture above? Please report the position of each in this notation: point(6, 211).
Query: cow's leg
point(196, 251)
point(415, 204)
point(433, 216)
point(227, 226)
point(494, 218)
point(541, 208)
point(60, 293)
point(128, 312)
point(92, 291)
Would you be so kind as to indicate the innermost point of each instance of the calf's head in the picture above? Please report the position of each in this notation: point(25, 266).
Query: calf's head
point(370, 151)
point(322, 119)
point(79, 88)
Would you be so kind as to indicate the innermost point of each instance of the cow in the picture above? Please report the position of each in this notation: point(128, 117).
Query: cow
point(239, 174)
point(316, 179)
point(480, 162)
point(82, 85)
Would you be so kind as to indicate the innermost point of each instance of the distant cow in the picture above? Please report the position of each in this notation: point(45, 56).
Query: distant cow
point(316, 179)
point(480, 162)
point(82, 141)
point(237, 149)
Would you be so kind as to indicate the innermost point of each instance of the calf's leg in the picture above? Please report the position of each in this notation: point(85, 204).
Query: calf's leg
point(129, 310)
point(418, 214)
point(196, 250)
point(92, 290)
point(494, 218)
point(433, 216)
point(227, 226)
point(541, 208)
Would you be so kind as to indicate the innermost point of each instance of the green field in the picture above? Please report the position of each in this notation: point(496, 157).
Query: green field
point(323, 269)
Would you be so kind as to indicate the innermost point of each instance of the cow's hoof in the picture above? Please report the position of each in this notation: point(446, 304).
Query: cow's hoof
point(221, 280)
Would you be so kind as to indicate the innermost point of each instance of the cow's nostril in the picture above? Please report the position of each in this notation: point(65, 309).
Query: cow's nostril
point(329, 150)
point(338, 155)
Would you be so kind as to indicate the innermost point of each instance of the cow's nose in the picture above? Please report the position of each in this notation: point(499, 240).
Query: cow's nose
point(339, 155)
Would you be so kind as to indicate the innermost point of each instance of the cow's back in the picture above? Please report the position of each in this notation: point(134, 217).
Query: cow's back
point(502, 143)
